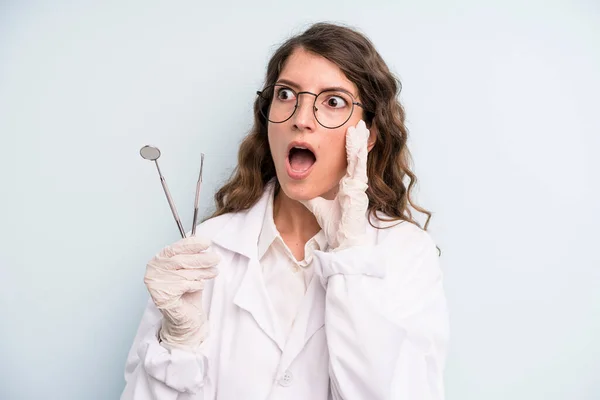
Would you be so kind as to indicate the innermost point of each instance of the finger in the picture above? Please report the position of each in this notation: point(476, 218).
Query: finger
point(165, 294)
point(181, 261)
point(322, 209)
point(197, 274)
point(194, 300)
point(202, 260)
point(157, 278)
point(192, 286)
point(350, 150)
point(360, 172)
point(319, 206)
point(185, 261)
point(189, 245)
point(356, 146)
point(356, 150)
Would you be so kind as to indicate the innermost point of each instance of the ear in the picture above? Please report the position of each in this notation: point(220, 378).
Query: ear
point(372, 137)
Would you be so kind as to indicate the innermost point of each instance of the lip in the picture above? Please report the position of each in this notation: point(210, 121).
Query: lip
point(295, 175)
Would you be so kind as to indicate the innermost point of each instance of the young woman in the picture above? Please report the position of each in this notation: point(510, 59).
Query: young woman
point(312, 280)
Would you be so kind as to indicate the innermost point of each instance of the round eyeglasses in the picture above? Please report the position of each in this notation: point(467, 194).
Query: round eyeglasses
point(332, 108)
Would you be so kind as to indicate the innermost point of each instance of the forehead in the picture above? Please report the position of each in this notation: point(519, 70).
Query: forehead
point(314, 73)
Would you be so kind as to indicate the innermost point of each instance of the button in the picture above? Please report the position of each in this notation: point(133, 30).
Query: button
point(286, 379)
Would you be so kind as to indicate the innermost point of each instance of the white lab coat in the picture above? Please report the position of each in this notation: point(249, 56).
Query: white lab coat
point(373, 325)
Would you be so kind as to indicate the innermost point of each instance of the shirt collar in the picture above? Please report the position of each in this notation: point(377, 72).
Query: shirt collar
point(321, 240)
point(269, 234)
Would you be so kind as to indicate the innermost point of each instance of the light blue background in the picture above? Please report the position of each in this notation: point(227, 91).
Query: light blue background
point(503, 107)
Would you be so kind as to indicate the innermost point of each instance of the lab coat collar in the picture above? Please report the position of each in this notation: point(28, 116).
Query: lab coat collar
point(269, 232)
point(245, 241)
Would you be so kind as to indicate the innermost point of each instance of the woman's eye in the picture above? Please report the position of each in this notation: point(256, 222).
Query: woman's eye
point(285, 94)
point(336, 102)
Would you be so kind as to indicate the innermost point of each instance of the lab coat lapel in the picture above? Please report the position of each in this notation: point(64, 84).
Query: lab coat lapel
point(240, 235)
point(252, 296)
point(310, 318)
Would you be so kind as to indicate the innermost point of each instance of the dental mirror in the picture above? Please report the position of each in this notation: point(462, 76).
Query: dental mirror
point(150, 153)
point(153, 153)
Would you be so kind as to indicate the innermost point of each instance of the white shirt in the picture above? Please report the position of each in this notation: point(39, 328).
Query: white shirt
point(286, 278)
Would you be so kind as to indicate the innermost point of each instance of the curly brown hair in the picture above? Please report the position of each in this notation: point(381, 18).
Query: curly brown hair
point(388, 161)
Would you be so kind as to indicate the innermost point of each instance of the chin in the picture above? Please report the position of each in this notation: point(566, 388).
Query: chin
point(304, 190)
point(298, 190)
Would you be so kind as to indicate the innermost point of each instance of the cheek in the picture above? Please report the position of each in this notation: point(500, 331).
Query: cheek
point(275, 142)
point(336, 161)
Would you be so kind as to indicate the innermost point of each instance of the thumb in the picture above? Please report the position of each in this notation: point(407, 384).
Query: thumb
point(319, 206)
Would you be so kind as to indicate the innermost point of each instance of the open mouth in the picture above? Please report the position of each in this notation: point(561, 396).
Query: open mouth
point(301, 158)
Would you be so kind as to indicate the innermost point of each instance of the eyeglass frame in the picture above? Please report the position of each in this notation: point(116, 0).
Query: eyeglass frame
point(314, 108)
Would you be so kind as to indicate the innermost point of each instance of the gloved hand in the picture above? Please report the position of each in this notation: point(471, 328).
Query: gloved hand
point(343, 219)
point(175, 279)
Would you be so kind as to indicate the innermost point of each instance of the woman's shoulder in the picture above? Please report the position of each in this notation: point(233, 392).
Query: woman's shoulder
point(211, 226)
point(411, 250)
point(401, 234)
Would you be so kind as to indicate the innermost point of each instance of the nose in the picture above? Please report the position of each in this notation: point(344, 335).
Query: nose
point(304, 117)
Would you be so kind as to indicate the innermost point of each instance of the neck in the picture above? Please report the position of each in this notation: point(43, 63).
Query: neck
point(293, 219)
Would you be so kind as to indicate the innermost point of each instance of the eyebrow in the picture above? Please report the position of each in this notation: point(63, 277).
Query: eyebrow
point(296, 86)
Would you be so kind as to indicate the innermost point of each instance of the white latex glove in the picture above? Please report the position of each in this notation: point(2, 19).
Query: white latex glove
point(343, 218)
point(175, 279)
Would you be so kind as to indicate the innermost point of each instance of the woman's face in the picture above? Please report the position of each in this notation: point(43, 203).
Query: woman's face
point(302, 176)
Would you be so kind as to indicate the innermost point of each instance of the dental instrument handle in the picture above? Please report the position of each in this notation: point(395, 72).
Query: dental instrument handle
point(197, 199)
point(170, 200)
